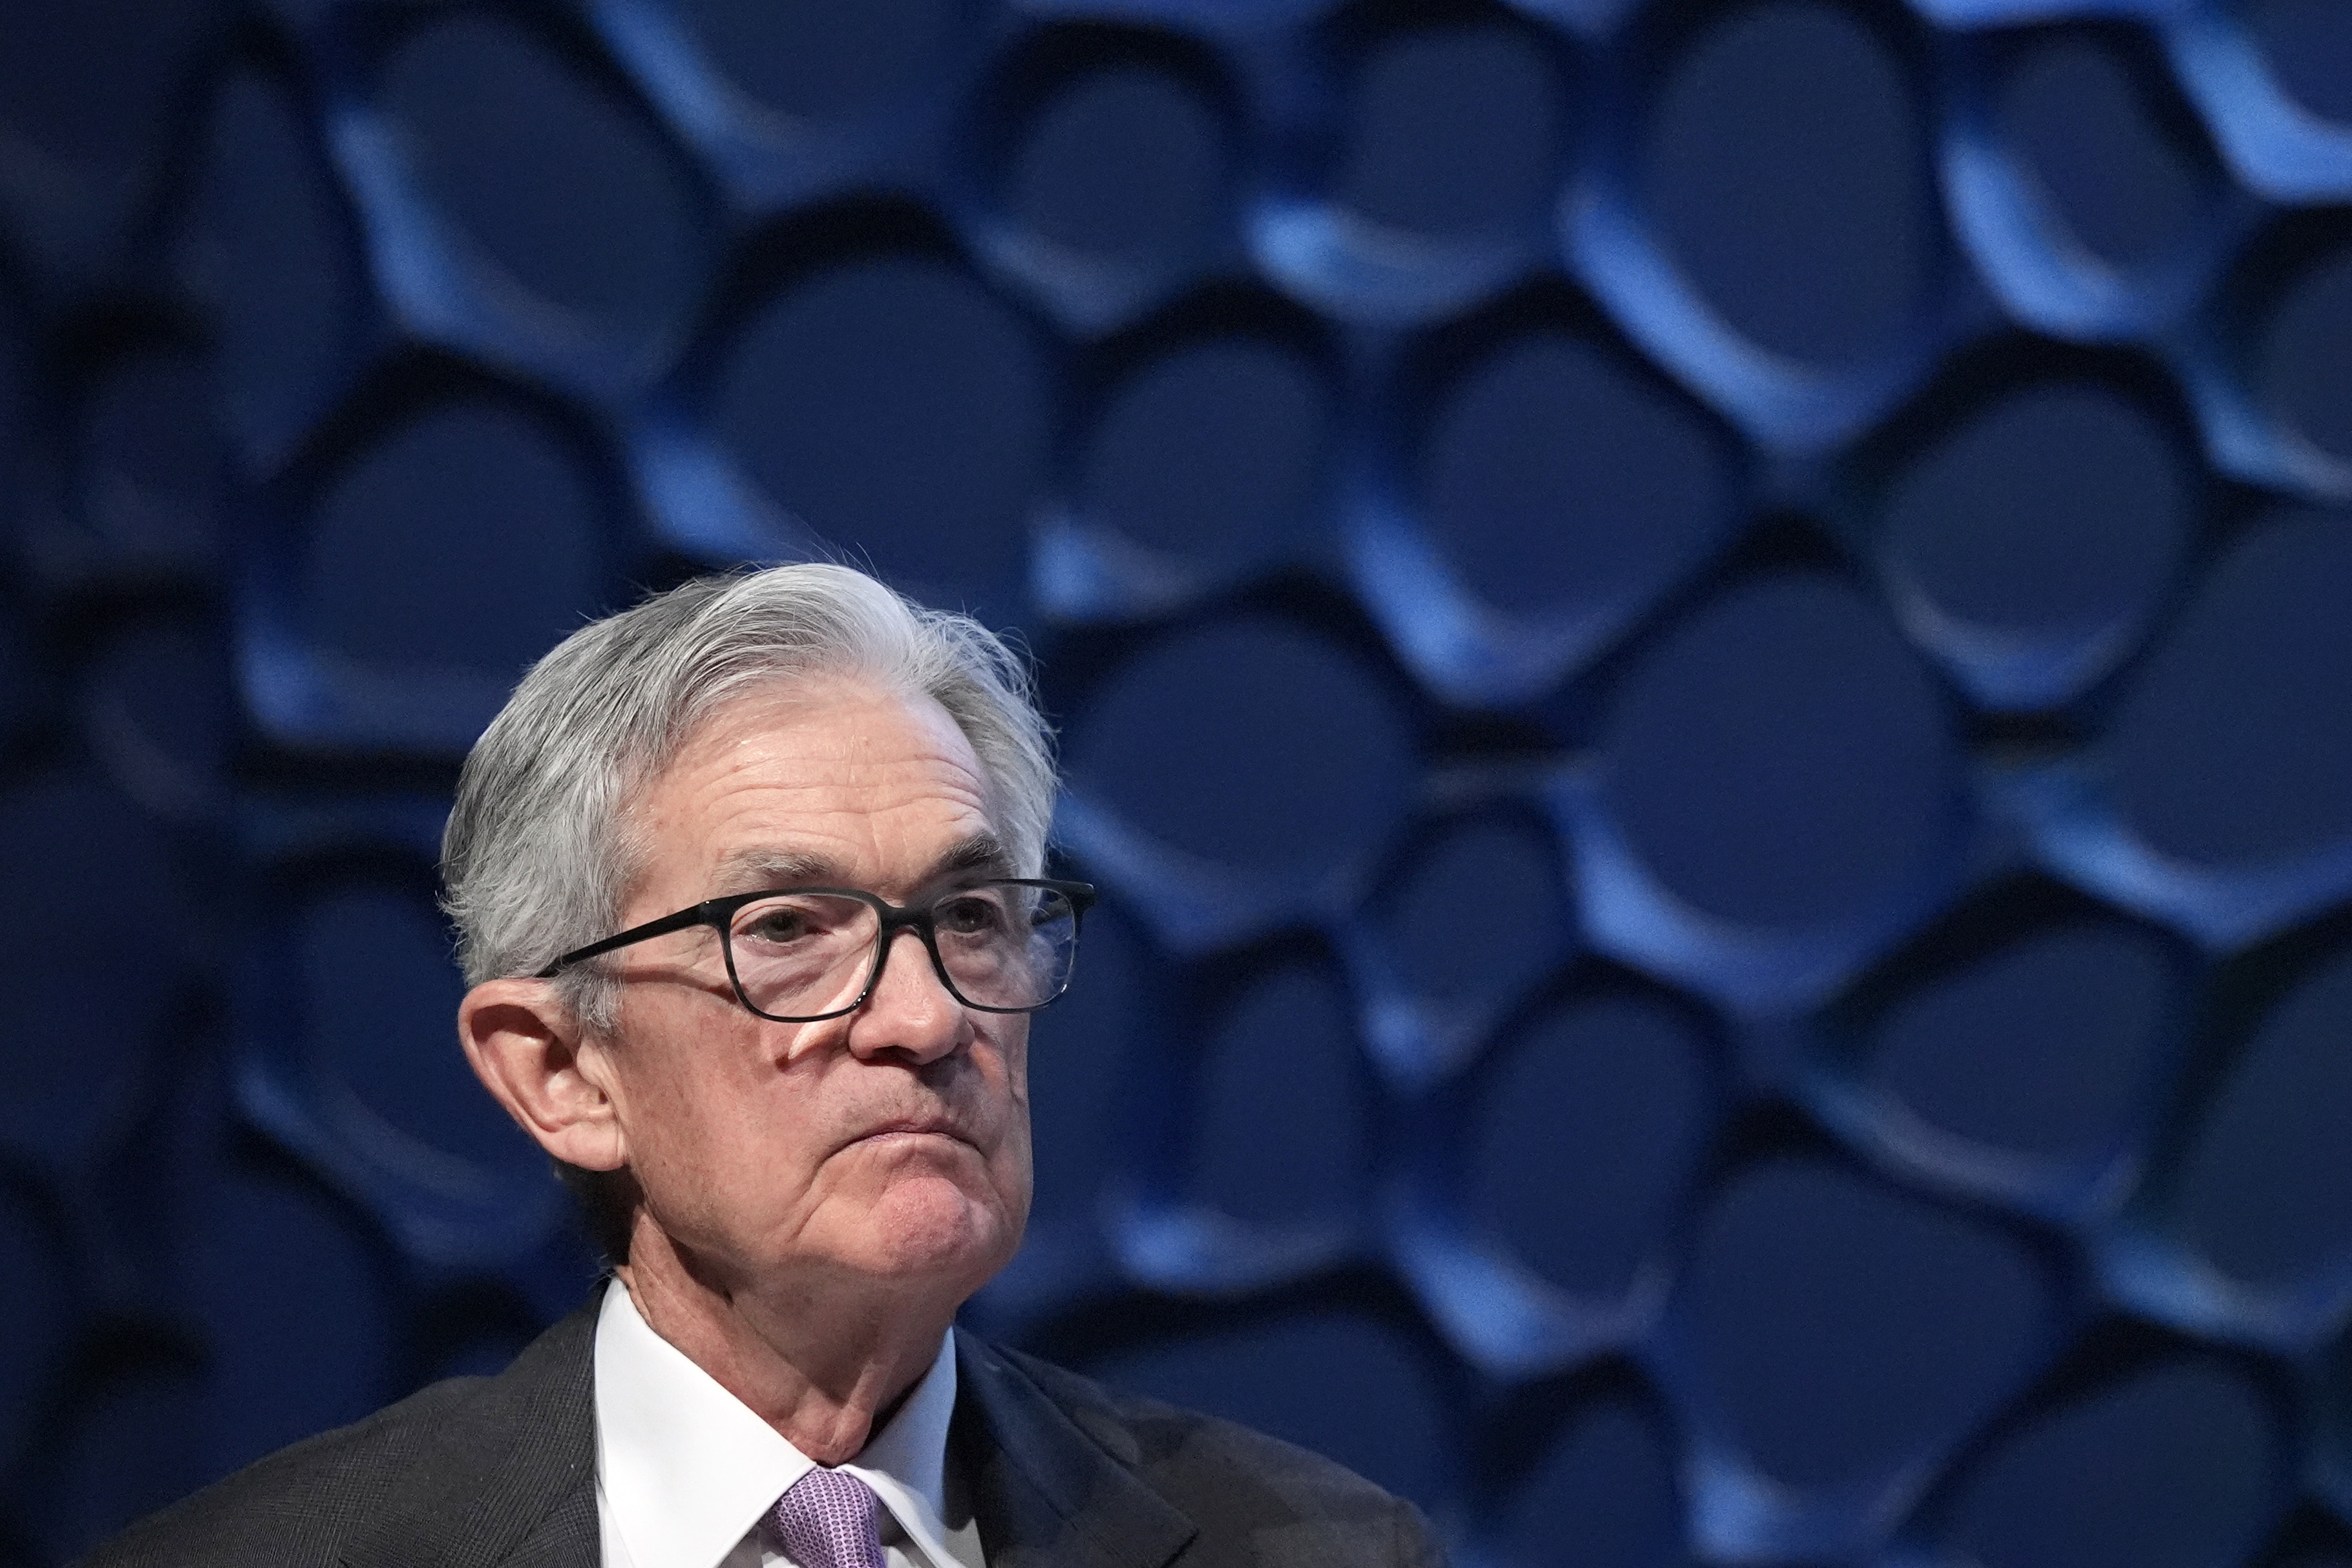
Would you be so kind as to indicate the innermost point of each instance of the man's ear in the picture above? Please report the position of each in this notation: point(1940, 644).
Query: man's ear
point(531, 1053)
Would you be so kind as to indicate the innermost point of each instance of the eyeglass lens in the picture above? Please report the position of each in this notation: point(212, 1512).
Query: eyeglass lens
point(1002, 944)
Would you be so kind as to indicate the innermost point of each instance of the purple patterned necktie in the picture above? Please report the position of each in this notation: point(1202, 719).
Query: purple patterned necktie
point(829, 1519)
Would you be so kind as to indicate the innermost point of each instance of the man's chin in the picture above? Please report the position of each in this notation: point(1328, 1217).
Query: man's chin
point(927, 1225)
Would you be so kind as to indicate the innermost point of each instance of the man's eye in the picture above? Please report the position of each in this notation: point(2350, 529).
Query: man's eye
point(776, 925)
point(971, 915)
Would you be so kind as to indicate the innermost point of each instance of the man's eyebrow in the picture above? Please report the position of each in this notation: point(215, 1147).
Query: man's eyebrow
point(981, 852)
point(748, 870)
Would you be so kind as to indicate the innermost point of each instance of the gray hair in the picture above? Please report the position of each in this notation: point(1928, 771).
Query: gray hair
point(538, 856)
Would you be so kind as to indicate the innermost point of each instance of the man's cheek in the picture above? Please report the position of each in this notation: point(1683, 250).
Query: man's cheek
point(1015, 1168)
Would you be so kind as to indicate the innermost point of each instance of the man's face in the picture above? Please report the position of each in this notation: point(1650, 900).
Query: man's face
point(890, 1143)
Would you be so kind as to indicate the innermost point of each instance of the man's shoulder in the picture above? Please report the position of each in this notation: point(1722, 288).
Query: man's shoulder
point(1150, 1436)
point(297, 1505)
point(1233, 1480)
point(493, 1453)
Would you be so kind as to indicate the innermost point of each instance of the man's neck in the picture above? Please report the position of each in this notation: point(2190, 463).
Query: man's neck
point(825, 1373)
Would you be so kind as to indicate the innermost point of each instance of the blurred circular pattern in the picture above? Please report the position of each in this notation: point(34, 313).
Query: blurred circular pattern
point(2277, 1127)
point(1213, 456)
point(827, 61)
point(308, 1354)
point(2032, 546)
point(1182, 743)
point(2172, 1468)
point(1841, 1334)
point(2303, 350)
point(1081, 1061)
point(103, 866)
point(2107, 158)
point(1782, 165)
point(1452, 132)
point(467, 537)
point(79, 149)
point(1475, 920)
point(1586, 1144)
point(266, 248)
point(1127, 167)
point(1607, 1484)
point(158, 712)
point(566, 193)
point(1282, 1140)
point(374, 969)
point(2259, 767)
point(2041, 1049)
point(1723, 824)
point(150, 480)
point(889, 400)
point(2307, 44)
point(1556, 482)
point(1782, 759)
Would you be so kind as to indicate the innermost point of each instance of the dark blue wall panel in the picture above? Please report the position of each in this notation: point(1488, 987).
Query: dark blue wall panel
point(1705, 649)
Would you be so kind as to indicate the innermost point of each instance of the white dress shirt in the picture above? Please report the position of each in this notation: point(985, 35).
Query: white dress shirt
point(685, 1470)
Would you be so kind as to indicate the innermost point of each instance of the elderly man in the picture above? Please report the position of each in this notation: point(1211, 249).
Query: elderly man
point(747, 887)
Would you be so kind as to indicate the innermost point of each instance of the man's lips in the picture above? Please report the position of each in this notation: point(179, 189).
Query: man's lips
point(913, 1126)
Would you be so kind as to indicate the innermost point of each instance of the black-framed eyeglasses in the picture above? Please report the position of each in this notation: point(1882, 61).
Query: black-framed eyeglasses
point(797, 955)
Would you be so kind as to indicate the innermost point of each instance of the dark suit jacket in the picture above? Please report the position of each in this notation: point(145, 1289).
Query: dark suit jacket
point(477, 1471)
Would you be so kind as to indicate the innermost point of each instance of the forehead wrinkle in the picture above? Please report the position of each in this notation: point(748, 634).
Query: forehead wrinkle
point(780, 792)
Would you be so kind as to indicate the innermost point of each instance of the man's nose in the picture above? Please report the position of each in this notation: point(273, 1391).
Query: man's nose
point(911, 1010)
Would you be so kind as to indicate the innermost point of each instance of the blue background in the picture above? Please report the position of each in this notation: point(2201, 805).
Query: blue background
point(1705, 650)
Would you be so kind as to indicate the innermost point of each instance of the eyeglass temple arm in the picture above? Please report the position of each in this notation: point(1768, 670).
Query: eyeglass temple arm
point(699, 915)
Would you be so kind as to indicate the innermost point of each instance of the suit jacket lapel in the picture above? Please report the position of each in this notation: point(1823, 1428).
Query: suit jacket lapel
point(510, 1478)
point(1047, 1490)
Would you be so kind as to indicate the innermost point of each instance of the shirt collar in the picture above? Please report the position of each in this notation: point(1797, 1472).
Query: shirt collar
point(688, 1469)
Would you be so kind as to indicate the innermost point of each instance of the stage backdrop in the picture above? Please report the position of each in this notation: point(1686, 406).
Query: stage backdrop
point(1705, 652)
